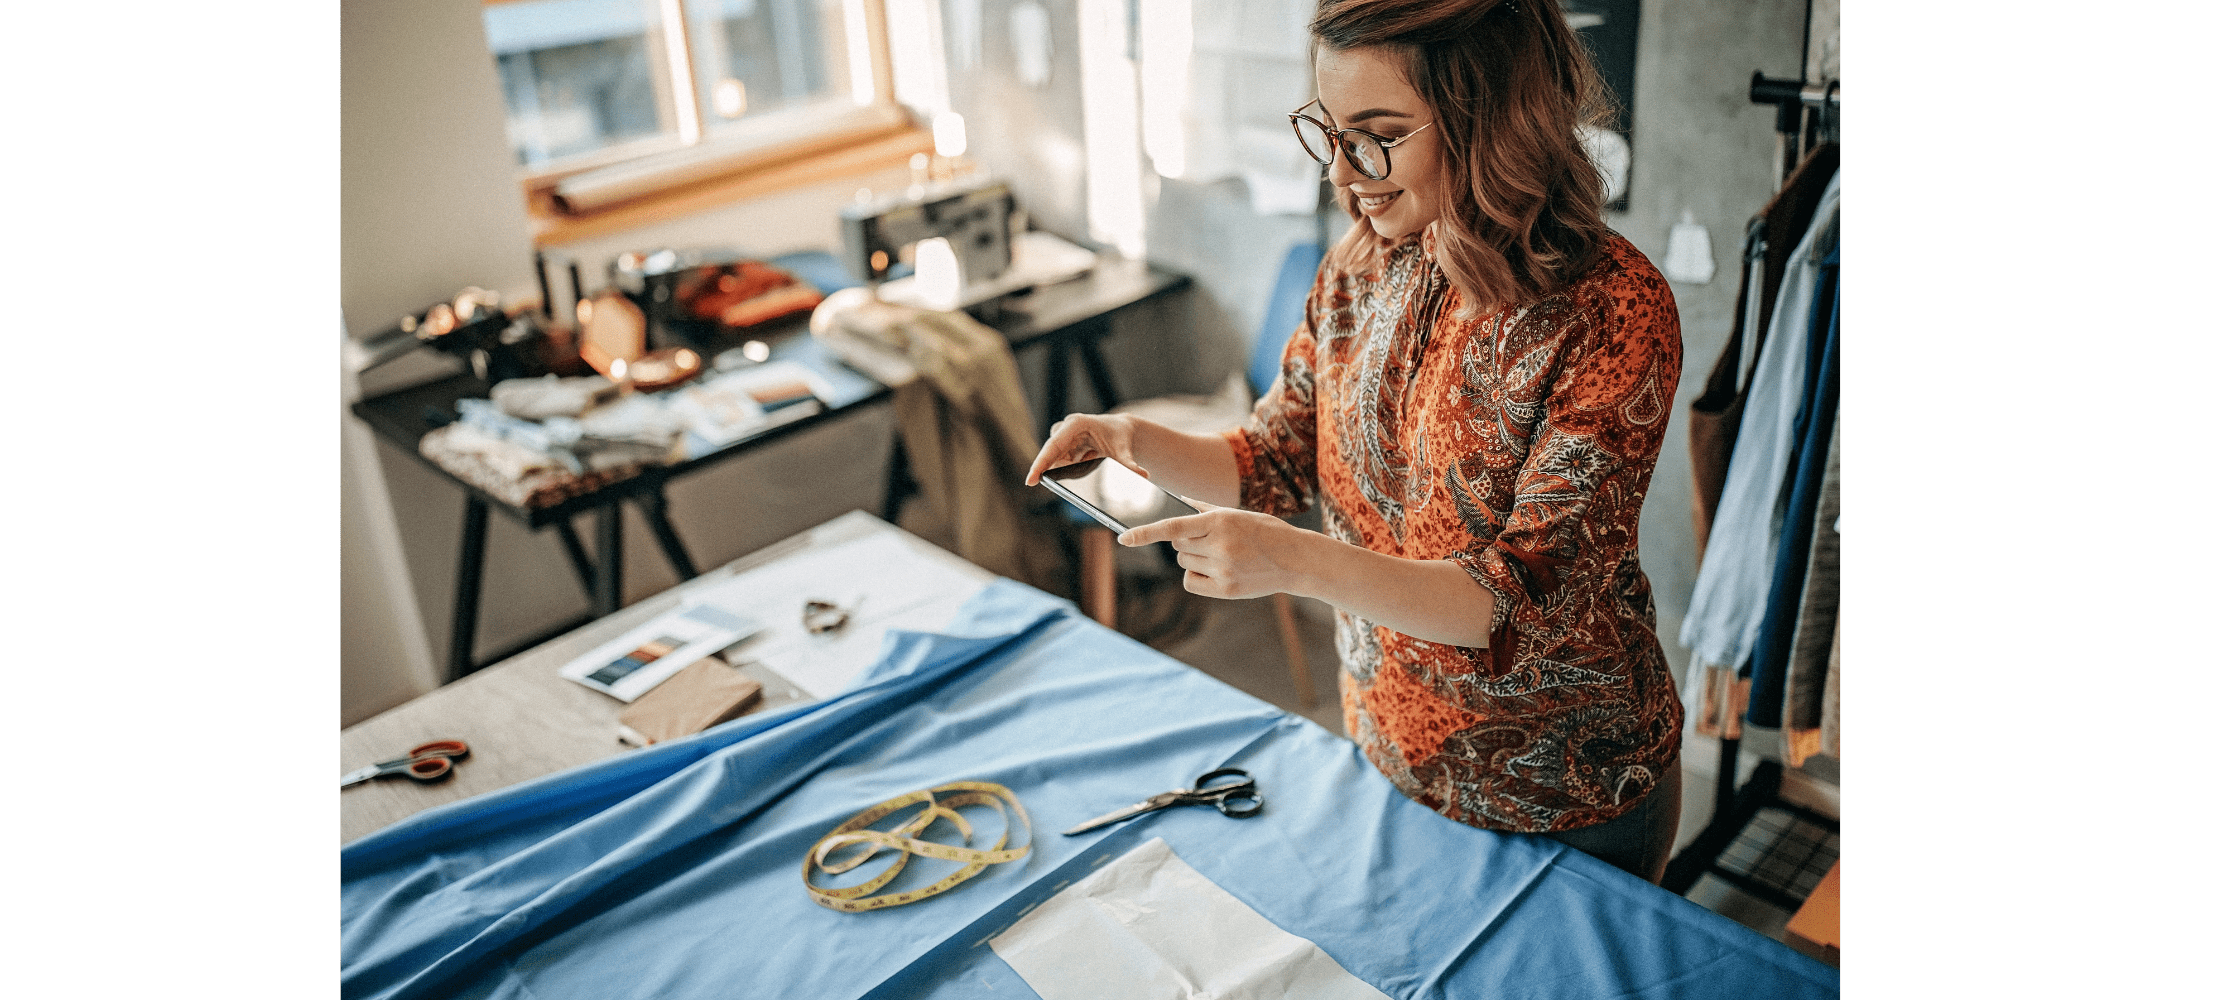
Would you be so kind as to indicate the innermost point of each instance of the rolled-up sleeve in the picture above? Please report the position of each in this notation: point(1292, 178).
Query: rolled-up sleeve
point(1568, 544)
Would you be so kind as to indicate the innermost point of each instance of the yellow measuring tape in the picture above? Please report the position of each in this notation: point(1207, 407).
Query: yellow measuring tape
point(858, 898)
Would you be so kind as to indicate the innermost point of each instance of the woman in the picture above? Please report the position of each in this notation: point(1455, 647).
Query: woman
point(1475, 401)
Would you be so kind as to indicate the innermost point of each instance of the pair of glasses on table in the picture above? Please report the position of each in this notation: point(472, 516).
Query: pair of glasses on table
point(1237, 798)
point(426, 762)
point(1368, 152)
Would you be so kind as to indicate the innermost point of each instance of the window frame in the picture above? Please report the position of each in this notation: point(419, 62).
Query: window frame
point(683, 170)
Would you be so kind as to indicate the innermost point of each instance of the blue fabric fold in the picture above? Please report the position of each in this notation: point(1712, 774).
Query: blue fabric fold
point(675, 871)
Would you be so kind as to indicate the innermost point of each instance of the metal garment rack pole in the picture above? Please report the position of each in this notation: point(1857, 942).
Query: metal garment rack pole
point(1807, 114)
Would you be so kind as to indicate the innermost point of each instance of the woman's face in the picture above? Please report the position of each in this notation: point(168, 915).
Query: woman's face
point(1367, 88)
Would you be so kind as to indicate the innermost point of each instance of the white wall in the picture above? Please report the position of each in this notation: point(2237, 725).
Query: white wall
point(384, 658)
point(428, 206)
point(428, 196)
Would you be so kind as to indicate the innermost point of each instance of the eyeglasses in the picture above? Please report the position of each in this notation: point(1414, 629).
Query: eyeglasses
point(1371, 154)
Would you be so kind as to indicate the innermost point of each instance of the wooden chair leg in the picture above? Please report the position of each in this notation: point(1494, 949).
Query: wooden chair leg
point(1288, 627)
point(1099, 583)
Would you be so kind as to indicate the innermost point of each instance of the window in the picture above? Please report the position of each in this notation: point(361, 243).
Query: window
point(608, 101)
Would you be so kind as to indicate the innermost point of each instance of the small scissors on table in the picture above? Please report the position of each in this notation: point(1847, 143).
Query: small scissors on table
point(425, 762)
point(1236, 799)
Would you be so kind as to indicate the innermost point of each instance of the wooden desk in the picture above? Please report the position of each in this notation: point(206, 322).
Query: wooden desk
point(523, 720)
point(1070, 318)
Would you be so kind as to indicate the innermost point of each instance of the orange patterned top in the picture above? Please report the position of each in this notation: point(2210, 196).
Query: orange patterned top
point(1518, 446)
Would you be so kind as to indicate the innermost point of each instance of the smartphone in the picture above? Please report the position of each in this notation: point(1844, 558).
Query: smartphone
point(1112, 493)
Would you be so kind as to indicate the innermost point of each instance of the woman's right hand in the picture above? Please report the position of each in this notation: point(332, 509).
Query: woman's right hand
point(1084, 436)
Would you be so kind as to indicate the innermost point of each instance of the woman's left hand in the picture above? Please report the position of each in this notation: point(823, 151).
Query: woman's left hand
point(1232, 554)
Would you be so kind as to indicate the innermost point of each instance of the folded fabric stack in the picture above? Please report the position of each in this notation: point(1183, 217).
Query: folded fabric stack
point(536, 442)
point(508, 471)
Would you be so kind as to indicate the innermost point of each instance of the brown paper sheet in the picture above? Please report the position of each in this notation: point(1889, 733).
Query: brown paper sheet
point(707, 693)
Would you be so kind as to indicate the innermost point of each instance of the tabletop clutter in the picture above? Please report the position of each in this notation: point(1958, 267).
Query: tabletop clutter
point(575, 406)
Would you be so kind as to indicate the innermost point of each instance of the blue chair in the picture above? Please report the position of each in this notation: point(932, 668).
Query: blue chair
point(1287, 307)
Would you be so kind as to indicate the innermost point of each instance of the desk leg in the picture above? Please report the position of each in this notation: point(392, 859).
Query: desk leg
point(466, 596)
point(1727, 820)
point(1099, 583)
point(606, 597)
point(900, 483)
point(655, 506)
point(1057, 383)
point(586, 574)
point(1091, 346)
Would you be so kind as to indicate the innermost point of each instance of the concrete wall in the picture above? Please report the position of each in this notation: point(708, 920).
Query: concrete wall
point(1700, 147)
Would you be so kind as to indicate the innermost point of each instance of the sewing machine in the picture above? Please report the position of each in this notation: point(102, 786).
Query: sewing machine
point(879, 236)
point(965, 242)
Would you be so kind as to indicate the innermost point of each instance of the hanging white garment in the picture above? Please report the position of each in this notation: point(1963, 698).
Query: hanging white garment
point(1737, 572)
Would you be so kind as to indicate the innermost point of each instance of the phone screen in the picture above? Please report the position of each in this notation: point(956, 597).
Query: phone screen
point(1112, 493)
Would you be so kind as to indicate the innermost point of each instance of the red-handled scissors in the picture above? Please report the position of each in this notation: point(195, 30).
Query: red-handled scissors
point(426, 762)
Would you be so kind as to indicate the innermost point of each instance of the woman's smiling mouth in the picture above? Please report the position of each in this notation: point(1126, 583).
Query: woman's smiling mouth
point(1372, 202)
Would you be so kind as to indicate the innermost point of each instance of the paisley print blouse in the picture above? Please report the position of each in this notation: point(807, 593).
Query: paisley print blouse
point(1518, 445)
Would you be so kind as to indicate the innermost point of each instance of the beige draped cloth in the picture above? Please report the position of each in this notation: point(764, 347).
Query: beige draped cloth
point(964, 423)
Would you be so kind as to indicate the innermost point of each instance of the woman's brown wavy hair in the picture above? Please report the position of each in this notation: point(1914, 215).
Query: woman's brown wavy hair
point(1509, 86)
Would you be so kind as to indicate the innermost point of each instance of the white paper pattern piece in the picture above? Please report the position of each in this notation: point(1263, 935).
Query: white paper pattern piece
point(883, 581)
point(1148, 925)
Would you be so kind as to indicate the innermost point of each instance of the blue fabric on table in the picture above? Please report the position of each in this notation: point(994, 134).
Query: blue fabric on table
point(674, 871)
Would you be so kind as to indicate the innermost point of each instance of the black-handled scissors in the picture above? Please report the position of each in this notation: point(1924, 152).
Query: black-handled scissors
point(1236, 799)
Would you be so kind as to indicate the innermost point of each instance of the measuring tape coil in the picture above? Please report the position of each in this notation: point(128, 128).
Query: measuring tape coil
point(904, 839)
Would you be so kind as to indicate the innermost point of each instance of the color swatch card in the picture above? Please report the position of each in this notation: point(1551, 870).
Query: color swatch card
point(633, 663)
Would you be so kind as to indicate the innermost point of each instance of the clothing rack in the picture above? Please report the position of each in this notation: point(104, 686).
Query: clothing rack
point(1747, 843)
point(1807, 116)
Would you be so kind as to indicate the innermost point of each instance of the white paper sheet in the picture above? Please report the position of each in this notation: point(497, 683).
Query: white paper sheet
point(1149, 925)
point(884, 581)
